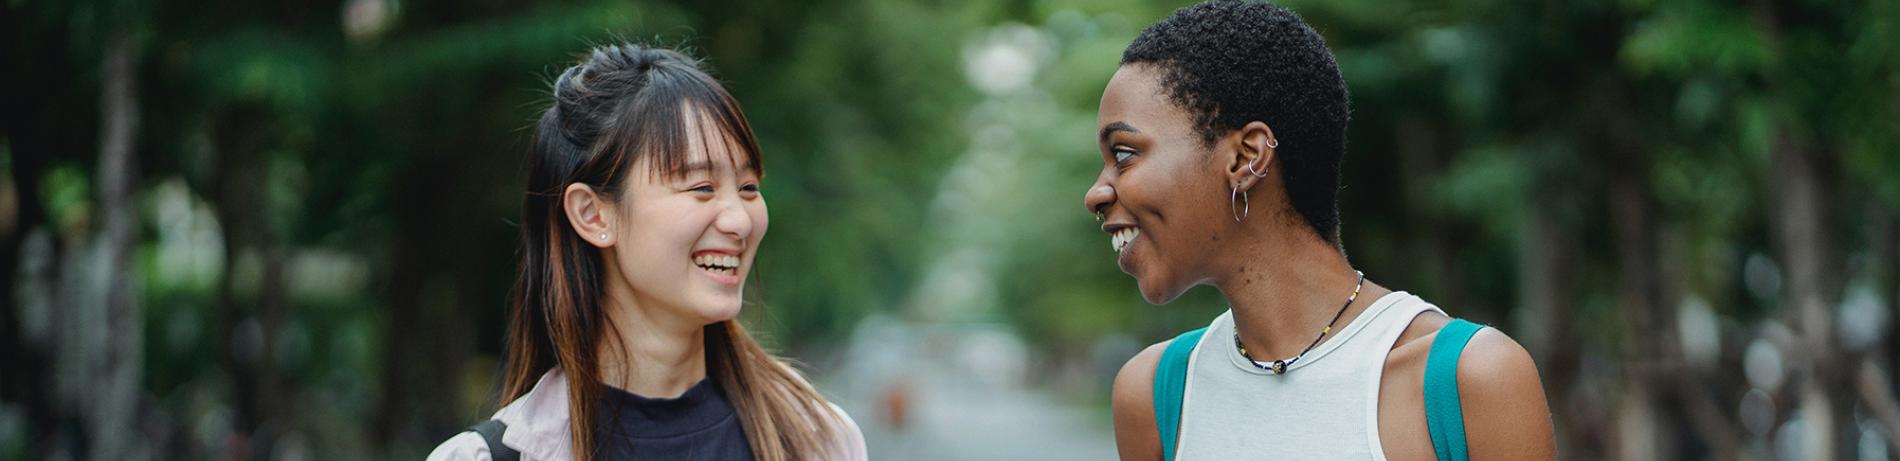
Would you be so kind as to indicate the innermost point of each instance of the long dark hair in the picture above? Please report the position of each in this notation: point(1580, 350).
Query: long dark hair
point(621, 104)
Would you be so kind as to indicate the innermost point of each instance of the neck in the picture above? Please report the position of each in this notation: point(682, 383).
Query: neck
point(649, 352)
point(1283, 302)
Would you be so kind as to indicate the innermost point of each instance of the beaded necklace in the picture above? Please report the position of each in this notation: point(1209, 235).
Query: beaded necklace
point(1278, 367)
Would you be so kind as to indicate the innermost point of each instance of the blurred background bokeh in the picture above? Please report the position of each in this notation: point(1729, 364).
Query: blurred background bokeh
point(285, 229)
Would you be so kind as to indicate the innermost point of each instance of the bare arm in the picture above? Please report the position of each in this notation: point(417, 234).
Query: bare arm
point(1133, 398)
point(1506, 416)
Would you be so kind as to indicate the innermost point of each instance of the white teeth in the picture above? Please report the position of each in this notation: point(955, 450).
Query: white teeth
point(1122, 237)
point(717, 262)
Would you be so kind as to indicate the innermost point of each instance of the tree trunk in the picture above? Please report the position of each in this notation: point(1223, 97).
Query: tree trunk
point(1631, 214)
point(246, 319)
point(429, 290)
point(1422, 157)
point(1883, 258)
point(113, 376)
point(1799, 222)
point(1798, 180)
point(1545, 295)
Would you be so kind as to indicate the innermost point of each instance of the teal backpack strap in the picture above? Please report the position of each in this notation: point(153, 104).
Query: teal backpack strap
point(1170, 382)
point(1443, 417)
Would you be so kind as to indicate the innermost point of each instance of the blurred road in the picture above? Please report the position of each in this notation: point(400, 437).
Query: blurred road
point(957, 393)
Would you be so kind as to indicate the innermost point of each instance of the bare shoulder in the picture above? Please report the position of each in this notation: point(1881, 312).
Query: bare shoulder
point(1506, 415)
point(1133, 402)
point(1493, 361)
point(1134, 386)
point(1502, 398)
point(1417, 338)
point(1402, 429)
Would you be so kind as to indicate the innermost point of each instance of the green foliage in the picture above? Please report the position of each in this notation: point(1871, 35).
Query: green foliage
point(386, 169)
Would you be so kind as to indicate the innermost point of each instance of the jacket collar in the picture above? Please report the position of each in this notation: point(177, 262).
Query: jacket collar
point(538, 421)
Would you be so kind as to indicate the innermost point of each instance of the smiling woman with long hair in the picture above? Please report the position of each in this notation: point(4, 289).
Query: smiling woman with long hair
point(640, 223)
point(1221, 136)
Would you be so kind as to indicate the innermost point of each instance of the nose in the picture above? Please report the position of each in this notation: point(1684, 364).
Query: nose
point(1098, 197)
point(733, 219)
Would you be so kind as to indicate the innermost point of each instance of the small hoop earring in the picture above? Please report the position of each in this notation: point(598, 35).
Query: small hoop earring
point(1260, 174)
point(1271, 144)
point(1236, 199)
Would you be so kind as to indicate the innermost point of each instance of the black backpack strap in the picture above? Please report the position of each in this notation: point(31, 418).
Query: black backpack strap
point(491, 431)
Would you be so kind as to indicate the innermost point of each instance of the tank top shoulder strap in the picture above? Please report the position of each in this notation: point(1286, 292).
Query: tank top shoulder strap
point(1169, 384)
point(1444, 418)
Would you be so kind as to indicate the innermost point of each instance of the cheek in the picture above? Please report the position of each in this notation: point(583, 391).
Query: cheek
point(761, 219)
point(662, 229)
point(1160, 182)
point(1131, 188)
point(1195, 196)
point(1154, 194)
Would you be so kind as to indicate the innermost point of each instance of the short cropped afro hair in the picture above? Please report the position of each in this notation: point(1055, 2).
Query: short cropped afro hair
point(1231, 62)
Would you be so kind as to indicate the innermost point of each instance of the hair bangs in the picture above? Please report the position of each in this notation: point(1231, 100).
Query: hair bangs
point(666, 123)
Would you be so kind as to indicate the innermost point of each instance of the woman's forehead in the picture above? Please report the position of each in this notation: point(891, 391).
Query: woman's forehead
point(711, 145)
point(714, 149)
point(1135, 98)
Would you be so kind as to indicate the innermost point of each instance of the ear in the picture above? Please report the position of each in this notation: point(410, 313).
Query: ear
point(590, 213)
point(1253, 152)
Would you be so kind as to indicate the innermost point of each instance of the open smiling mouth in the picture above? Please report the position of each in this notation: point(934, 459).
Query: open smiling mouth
point(720, 264)
point(1121, 238)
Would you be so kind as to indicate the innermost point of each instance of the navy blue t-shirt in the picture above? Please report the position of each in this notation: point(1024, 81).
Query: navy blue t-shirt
point(698, 425)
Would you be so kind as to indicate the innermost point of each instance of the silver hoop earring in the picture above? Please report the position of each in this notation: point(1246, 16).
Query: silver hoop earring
point(1261, 174)
point(1236, 199)
point(1271, 144)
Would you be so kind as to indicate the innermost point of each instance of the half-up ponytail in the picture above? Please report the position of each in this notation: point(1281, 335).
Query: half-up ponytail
point(622, 103)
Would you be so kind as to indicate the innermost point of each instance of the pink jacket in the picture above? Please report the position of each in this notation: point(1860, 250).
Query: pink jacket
point(537, 427)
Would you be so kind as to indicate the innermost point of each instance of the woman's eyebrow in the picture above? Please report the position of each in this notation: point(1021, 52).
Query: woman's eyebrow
point(1102, 137)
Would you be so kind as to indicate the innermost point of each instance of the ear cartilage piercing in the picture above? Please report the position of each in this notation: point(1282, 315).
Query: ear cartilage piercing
point(1271, 144)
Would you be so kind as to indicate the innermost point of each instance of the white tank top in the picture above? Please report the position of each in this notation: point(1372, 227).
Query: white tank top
point(1326, 406)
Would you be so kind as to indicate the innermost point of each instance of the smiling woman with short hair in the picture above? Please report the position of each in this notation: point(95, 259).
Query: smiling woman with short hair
point(1221, 136)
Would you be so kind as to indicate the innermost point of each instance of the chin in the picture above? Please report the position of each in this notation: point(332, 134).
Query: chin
point(720, 310)
point(1158, 293)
